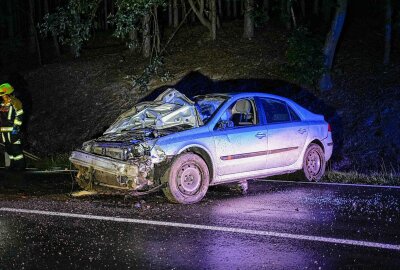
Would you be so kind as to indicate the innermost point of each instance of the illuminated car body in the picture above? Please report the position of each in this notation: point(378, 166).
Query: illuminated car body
point(240, 136)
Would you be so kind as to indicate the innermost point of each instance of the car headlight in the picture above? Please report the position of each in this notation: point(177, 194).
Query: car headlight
point(87, 147)
point(138, 150)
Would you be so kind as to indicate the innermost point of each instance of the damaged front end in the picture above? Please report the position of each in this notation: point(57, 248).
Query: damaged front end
point(127, 155)
point(129, 167)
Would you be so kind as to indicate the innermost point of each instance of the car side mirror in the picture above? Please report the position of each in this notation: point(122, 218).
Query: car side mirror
point(225, 124)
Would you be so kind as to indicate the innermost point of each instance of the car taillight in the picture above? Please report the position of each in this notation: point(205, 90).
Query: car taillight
point(329, 128)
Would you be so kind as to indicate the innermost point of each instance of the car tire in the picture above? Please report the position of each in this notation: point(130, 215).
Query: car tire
point(187, 179)
point(314, 163)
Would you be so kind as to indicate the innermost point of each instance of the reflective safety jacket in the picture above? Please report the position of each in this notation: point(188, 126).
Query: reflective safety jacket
point(10, 117)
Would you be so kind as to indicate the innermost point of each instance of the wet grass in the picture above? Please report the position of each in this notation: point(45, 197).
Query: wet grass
point(354, 177)
point(59, 161)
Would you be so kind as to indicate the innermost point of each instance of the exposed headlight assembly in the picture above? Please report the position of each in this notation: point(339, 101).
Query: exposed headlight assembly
point(138, 151)
point(87, 147)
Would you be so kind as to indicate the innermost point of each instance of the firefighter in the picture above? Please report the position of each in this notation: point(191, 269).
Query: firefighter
point(10, 127)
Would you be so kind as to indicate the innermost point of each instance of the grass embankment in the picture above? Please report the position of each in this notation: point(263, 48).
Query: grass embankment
point(354, 177)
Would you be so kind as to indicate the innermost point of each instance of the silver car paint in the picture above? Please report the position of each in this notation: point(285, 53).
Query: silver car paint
point(219, 143)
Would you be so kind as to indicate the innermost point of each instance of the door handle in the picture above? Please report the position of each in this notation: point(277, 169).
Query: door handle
point(301, 130)
point(261, 135)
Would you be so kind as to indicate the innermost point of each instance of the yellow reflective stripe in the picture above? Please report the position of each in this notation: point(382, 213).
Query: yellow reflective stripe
point(6, 129)
point(19, 157)
point(9, 113)
point(17, 142)
point(9, 136)
point(11, 157)
point(17, 122)
point(19, 112)
point(2, 136)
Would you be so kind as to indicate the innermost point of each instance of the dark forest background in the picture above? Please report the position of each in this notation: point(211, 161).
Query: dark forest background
point(36, 32)
point(79, 63)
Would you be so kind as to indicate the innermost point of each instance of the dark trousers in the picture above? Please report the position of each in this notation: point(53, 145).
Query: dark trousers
point(14, 150)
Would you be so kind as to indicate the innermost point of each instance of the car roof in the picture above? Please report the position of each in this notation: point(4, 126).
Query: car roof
point(306, 114)
point(245, 94)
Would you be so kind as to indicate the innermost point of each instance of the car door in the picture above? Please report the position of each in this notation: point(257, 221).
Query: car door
point(286, 133)
point(240, 146)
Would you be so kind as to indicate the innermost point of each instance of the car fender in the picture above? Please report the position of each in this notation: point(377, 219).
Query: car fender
point(310, 139)
point(205, 149)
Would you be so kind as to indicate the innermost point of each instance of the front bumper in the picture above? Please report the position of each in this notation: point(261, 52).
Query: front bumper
point(131, 174)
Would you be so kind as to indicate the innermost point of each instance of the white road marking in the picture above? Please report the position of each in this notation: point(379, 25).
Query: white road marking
point(210, 228)
point(328, 184)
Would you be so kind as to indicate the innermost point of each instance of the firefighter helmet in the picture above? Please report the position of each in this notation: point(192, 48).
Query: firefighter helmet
point(6, 89)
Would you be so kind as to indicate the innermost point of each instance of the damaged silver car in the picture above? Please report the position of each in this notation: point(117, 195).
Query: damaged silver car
point(184, 146)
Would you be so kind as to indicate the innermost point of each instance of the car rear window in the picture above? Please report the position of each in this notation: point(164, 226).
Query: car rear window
point(276, 111)
point(293, 115)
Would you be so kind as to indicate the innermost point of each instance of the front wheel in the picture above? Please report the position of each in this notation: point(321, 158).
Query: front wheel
point(187, 179)
point(314, 163)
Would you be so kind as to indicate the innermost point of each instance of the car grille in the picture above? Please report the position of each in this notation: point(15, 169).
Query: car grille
point(116, 153)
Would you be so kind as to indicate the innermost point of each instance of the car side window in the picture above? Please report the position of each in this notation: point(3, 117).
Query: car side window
point(239, 114)
point(293, 115)
point(276, 111)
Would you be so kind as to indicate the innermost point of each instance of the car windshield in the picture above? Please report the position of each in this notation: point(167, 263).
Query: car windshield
point(207, 106)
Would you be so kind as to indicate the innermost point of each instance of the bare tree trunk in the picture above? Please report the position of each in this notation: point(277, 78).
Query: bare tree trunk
point(228, 8)
point(146, 35)
point(38, 10)
point(31, 26)
point(170, 13)
point(105, 14)
point(285, 13)
point(316, 7)
point(388, 32)
point(112, 8)
point(213, 18)
point(220, 8)
point(248, 19)
point(156, 42)
point(234, 4)
point(303, 8)
point(134, 40)
point(53, 36)
point(266, 7)
point(331, 43)
point(11, 18)
point(183, 7)
point(34, 40)
point(293, 17)
point(290, 13)
point(200, 13)
point(176, 13)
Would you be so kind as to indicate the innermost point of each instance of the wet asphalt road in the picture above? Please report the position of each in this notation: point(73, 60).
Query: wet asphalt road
point(343, 213)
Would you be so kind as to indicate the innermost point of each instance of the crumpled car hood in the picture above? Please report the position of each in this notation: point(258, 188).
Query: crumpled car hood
point(169, 109)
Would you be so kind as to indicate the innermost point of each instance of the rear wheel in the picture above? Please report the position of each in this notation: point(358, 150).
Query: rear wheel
point(314, 163)
point(187, 179)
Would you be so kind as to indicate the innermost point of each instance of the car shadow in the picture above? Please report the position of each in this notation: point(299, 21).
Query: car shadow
point(195, 83)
